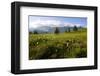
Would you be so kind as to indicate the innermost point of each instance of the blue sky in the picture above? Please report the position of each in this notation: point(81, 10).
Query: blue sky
point(36, 21)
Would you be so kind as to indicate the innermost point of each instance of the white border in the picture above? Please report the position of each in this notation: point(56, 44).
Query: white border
point(52, 63)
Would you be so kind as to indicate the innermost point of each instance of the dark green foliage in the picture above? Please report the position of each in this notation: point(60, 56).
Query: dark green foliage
point(30, 32)
point(75, 28)
point(82, 53)
point(56, 30)
point(35, 32)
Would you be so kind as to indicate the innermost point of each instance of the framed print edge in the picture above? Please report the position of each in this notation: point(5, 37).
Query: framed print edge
point(15, 37)
point(96, 38)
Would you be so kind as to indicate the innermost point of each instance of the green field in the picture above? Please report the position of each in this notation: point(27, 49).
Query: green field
point(55, 46)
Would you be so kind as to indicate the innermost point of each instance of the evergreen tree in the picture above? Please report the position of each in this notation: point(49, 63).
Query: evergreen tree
point(75, 28)
point(35, 32)
point(56, 30)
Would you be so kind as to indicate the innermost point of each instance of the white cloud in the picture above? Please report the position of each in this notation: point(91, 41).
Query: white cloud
point(39, 23)
point(51, 23)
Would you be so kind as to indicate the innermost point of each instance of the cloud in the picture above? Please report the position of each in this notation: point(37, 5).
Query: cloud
point(39, 23)
point(51, 23)
point(71, 24)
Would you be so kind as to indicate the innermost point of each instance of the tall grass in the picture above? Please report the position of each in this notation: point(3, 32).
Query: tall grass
point(54, 46)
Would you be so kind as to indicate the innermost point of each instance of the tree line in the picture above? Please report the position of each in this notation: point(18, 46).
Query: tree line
point(57, 31)
point(75, 28)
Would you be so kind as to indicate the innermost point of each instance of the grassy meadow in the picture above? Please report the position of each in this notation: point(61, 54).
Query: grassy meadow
point(56, 46)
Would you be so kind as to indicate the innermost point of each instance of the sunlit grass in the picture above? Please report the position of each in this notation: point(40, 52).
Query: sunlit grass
point(62, 45)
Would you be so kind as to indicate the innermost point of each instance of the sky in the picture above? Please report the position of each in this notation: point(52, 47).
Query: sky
point(58, 21)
